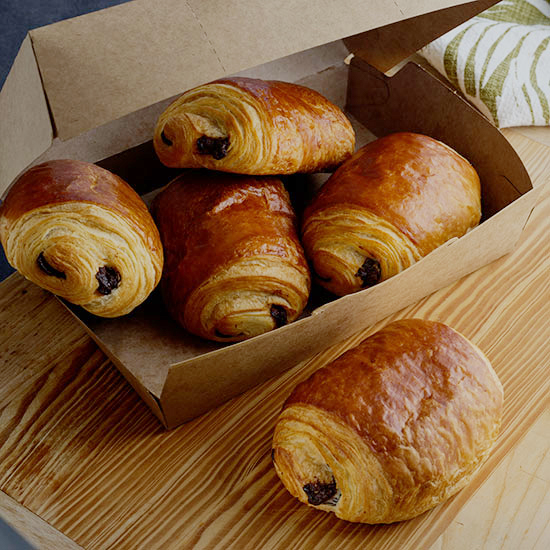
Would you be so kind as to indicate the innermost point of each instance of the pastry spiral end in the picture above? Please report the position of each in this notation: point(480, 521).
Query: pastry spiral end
point(82, 233)
point(351, 249)
point(391, 428)
point(317, 458)
point(231, 307)
point(251, 126)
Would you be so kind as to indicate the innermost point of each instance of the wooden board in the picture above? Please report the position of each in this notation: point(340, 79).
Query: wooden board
point(510, 511)
point(80, 451)
point(36, 531)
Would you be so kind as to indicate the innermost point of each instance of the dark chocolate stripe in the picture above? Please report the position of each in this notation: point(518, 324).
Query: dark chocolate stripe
point(318, 492)
point(47, 268)
point(167, 141)
point(108, 279)
point(279, 315)
point(369, 272)
point(217, 147)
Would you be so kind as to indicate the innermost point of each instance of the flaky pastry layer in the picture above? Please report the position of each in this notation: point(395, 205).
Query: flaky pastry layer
point(251, 126)
point(392, 427)
point(234, 266)
point(339, 238)
point(82, 233)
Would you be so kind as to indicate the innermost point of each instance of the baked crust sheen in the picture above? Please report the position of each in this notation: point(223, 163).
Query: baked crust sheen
point(400, 423)
point(232, 254)
point(74, 218)
point(397, 199)
point(269, 128)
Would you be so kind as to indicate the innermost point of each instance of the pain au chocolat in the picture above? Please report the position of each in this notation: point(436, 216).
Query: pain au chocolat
point(84, 234)
point(234, 265)
point(392, 427)
point(397, 199)
point(251, 126)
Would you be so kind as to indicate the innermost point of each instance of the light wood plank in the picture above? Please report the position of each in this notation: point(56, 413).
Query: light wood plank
point(79, 449)
point(36, 531)
point(533, 154)
point(516, 493)
point(35, 331)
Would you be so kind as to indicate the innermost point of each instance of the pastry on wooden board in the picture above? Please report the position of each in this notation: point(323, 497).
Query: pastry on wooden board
point(234, 265)
point(392, 427)
point(84, 234)
point(252, 126)
point(397, 199)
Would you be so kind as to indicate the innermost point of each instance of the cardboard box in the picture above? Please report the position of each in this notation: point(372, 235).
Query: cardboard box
point(92, 88)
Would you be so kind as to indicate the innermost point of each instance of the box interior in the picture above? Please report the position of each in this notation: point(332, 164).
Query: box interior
point(180, 375)
point(160, 356)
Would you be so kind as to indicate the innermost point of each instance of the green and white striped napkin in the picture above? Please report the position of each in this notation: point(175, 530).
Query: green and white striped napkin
point(500, 60)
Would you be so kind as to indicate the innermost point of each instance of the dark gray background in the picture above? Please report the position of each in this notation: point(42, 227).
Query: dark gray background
point(16, 18)
point(19, 16)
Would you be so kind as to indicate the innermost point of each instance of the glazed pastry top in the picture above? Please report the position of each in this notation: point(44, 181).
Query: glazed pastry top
point(415, 385)
point(59, 181)
point(421, 186)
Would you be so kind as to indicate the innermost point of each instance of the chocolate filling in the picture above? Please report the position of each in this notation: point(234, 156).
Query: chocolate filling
point(369, 272)
point(108, 278)
point(165, 139)
point(47, 268)
point(279, 315)
point(318, 492)
point(217, 147)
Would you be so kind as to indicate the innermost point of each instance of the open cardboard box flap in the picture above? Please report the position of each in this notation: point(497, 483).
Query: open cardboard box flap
point(181, 376)
point(178, 375)
point(94, 69)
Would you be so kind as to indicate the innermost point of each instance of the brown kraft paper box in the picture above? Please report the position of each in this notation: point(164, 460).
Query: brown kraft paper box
point(92, 87)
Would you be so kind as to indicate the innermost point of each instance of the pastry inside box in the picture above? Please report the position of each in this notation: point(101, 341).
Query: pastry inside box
point(167, 341)
point(150, 321)
point(180, 375)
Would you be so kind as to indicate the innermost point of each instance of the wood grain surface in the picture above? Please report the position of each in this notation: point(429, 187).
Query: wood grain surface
point(36, 531)
point(516, 498)
point(81, 452)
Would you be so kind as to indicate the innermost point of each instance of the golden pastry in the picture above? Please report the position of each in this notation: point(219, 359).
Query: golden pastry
point(392, 427)
point(82, 233)
point(234, 266)
point(397, 199)
point(251, 126)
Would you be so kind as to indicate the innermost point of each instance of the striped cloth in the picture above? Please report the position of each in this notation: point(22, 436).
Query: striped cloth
point(500, 60)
